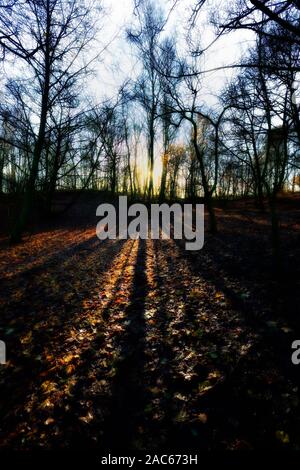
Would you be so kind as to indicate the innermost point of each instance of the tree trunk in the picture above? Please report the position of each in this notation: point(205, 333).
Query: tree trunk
point(22, 220)
point(16, 234)
point(207, 193)
point(162, 191)
point(151, 158)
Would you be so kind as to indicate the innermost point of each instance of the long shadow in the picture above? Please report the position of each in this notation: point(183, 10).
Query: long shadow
point(165, 433)
point(272, 344)
point(116, 413)
point(128, 389)
point(177, 434)
point(214, 274)
point(25, 374)
point(37, 292)
point(51, 262)
point(127, 426)
point(229, 267)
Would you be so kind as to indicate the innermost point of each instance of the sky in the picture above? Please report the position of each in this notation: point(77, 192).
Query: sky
point(119, 62)
point(119, 59)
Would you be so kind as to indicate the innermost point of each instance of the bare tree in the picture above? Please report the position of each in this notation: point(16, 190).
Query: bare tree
point(50, 36)
point(146, 38)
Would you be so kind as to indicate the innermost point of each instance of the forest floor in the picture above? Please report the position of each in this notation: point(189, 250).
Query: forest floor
point(144, 345)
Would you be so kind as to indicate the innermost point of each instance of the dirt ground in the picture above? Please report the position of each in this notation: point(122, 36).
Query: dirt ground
point(141, 344)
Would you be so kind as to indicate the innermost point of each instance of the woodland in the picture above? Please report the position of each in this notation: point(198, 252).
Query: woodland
point(140, 344)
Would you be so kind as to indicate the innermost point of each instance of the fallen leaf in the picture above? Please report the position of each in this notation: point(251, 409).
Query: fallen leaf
point(283, 437)
point(49, 421)
point(202, 417)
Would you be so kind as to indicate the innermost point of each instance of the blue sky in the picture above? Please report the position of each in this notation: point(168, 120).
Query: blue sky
point(119, 62)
